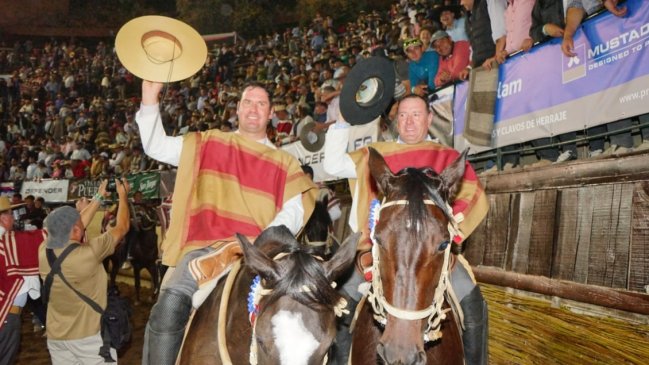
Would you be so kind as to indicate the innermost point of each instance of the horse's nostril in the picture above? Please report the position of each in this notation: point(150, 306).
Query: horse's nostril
point(421, 358)
point(380, 349)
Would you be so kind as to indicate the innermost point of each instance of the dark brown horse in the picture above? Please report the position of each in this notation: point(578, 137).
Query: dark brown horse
point(295, 314)
point(412, 261)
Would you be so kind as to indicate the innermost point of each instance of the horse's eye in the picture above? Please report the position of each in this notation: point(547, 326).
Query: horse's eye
point(443, 245)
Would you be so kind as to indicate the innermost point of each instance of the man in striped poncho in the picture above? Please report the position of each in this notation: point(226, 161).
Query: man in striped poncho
point(227, 183)
point(414, 148)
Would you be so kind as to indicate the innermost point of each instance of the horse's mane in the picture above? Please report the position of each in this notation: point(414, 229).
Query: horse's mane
point(418, 185)
point(304, 271)
point(317, 227)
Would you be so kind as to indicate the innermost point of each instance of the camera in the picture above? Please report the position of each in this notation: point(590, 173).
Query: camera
point(111, 187)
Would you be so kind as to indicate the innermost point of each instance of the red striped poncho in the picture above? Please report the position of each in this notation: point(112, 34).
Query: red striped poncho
point(227, 184)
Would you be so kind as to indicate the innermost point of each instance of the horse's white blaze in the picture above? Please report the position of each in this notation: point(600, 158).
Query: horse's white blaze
point(293, 340)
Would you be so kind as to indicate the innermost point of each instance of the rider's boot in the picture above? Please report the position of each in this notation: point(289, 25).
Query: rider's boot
point(475, 328)
point(166, 327)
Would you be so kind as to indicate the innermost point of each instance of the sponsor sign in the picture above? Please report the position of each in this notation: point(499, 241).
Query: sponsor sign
point(543, 93)
point(53, 191)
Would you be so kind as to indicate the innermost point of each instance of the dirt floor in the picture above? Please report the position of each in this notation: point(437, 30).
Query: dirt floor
point(516, 337)
point(516, 333)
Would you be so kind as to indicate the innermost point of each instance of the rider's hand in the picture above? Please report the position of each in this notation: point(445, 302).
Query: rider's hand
point(150, 92)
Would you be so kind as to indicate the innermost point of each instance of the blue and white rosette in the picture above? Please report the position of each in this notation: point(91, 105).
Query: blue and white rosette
point(375, 208)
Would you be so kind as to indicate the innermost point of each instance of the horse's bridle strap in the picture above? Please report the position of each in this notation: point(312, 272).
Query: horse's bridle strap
point(434, 313)
point(409, 315)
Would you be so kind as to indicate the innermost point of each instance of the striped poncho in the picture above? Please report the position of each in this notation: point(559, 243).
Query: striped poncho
point(227, 184)
point(18, 258)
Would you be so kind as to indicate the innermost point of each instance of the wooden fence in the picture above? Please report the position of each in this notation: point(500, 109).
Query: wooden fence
point(577, 230)
point(584, 223)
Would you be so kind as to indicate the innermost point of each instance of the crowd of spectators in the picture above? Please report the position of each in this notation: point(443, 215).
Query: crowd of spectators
point(67, 107)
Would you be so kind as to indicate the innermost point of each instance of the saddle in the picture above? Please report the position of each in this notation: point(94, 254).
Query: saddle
point(208, 269)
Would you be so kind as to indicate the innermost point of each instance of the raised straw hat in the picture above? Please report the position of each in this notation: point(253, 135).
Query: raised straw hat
point(158, 48)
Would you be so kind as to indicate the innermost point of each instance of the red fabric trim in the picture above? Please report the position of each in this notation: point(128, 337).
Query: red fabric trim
point(438, 160)
point(207, 224)
point(18, 257)
point(7, 300)
point(229, 160)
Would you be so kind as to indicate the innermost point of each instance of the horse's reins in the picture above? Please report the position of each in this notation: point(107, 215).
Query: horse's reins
point(434, 312)
point(258, 291)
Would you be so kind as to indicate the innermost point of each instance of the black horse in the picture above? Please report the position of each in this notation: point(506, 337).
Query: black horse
point(317, 231)
point(142, 242)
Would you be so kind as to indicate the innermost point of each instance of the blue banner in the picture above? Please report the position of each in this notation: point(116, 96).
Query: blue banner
point(543, 93)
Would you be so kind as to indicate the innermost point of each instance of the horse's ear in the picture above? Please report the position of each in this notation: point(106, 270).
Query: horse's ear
point(343, 258)
point(453, 174)
point(256, 260)
point(380, 170)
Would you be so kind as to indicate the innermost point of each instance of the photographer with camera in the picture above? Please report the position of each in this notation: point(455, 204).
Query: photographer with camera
point(73, 326)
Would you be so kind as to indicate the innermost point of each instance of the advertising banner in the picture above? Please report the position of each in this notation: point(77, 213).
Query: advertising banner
point(147, 182)
point(359, 136)
point(55, 191)
point(543, 93)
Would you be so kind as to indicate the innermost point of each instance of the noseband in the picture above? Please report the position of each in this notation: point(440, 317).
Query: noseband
point(434, 312)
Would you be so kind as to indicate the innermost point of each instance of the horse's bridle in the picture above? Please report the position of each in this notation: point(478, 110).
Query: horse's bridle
point(434, 312)
point(327, 242)
point(258, 291)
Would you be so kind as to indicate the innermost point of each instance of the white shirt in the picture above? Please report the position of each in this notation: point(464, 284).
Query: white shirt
point(158, 145)
point(496, 9)
point(333, 109)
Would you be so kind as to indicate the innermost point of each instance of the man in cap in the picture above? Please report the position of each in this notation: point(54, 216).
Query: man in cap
point(253, 185)
point(18, 278)
point(454, 57)
point(422, 66)
point(414, 148)
point(73, 326)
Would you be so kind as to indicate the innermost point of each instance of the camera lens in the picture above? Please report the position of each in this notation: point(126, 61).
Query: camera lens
point(111, 187)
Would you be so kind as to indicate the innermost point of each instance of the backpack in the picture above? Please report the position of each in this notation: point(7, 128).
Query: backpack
point(116, 325)
point(116, 321)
